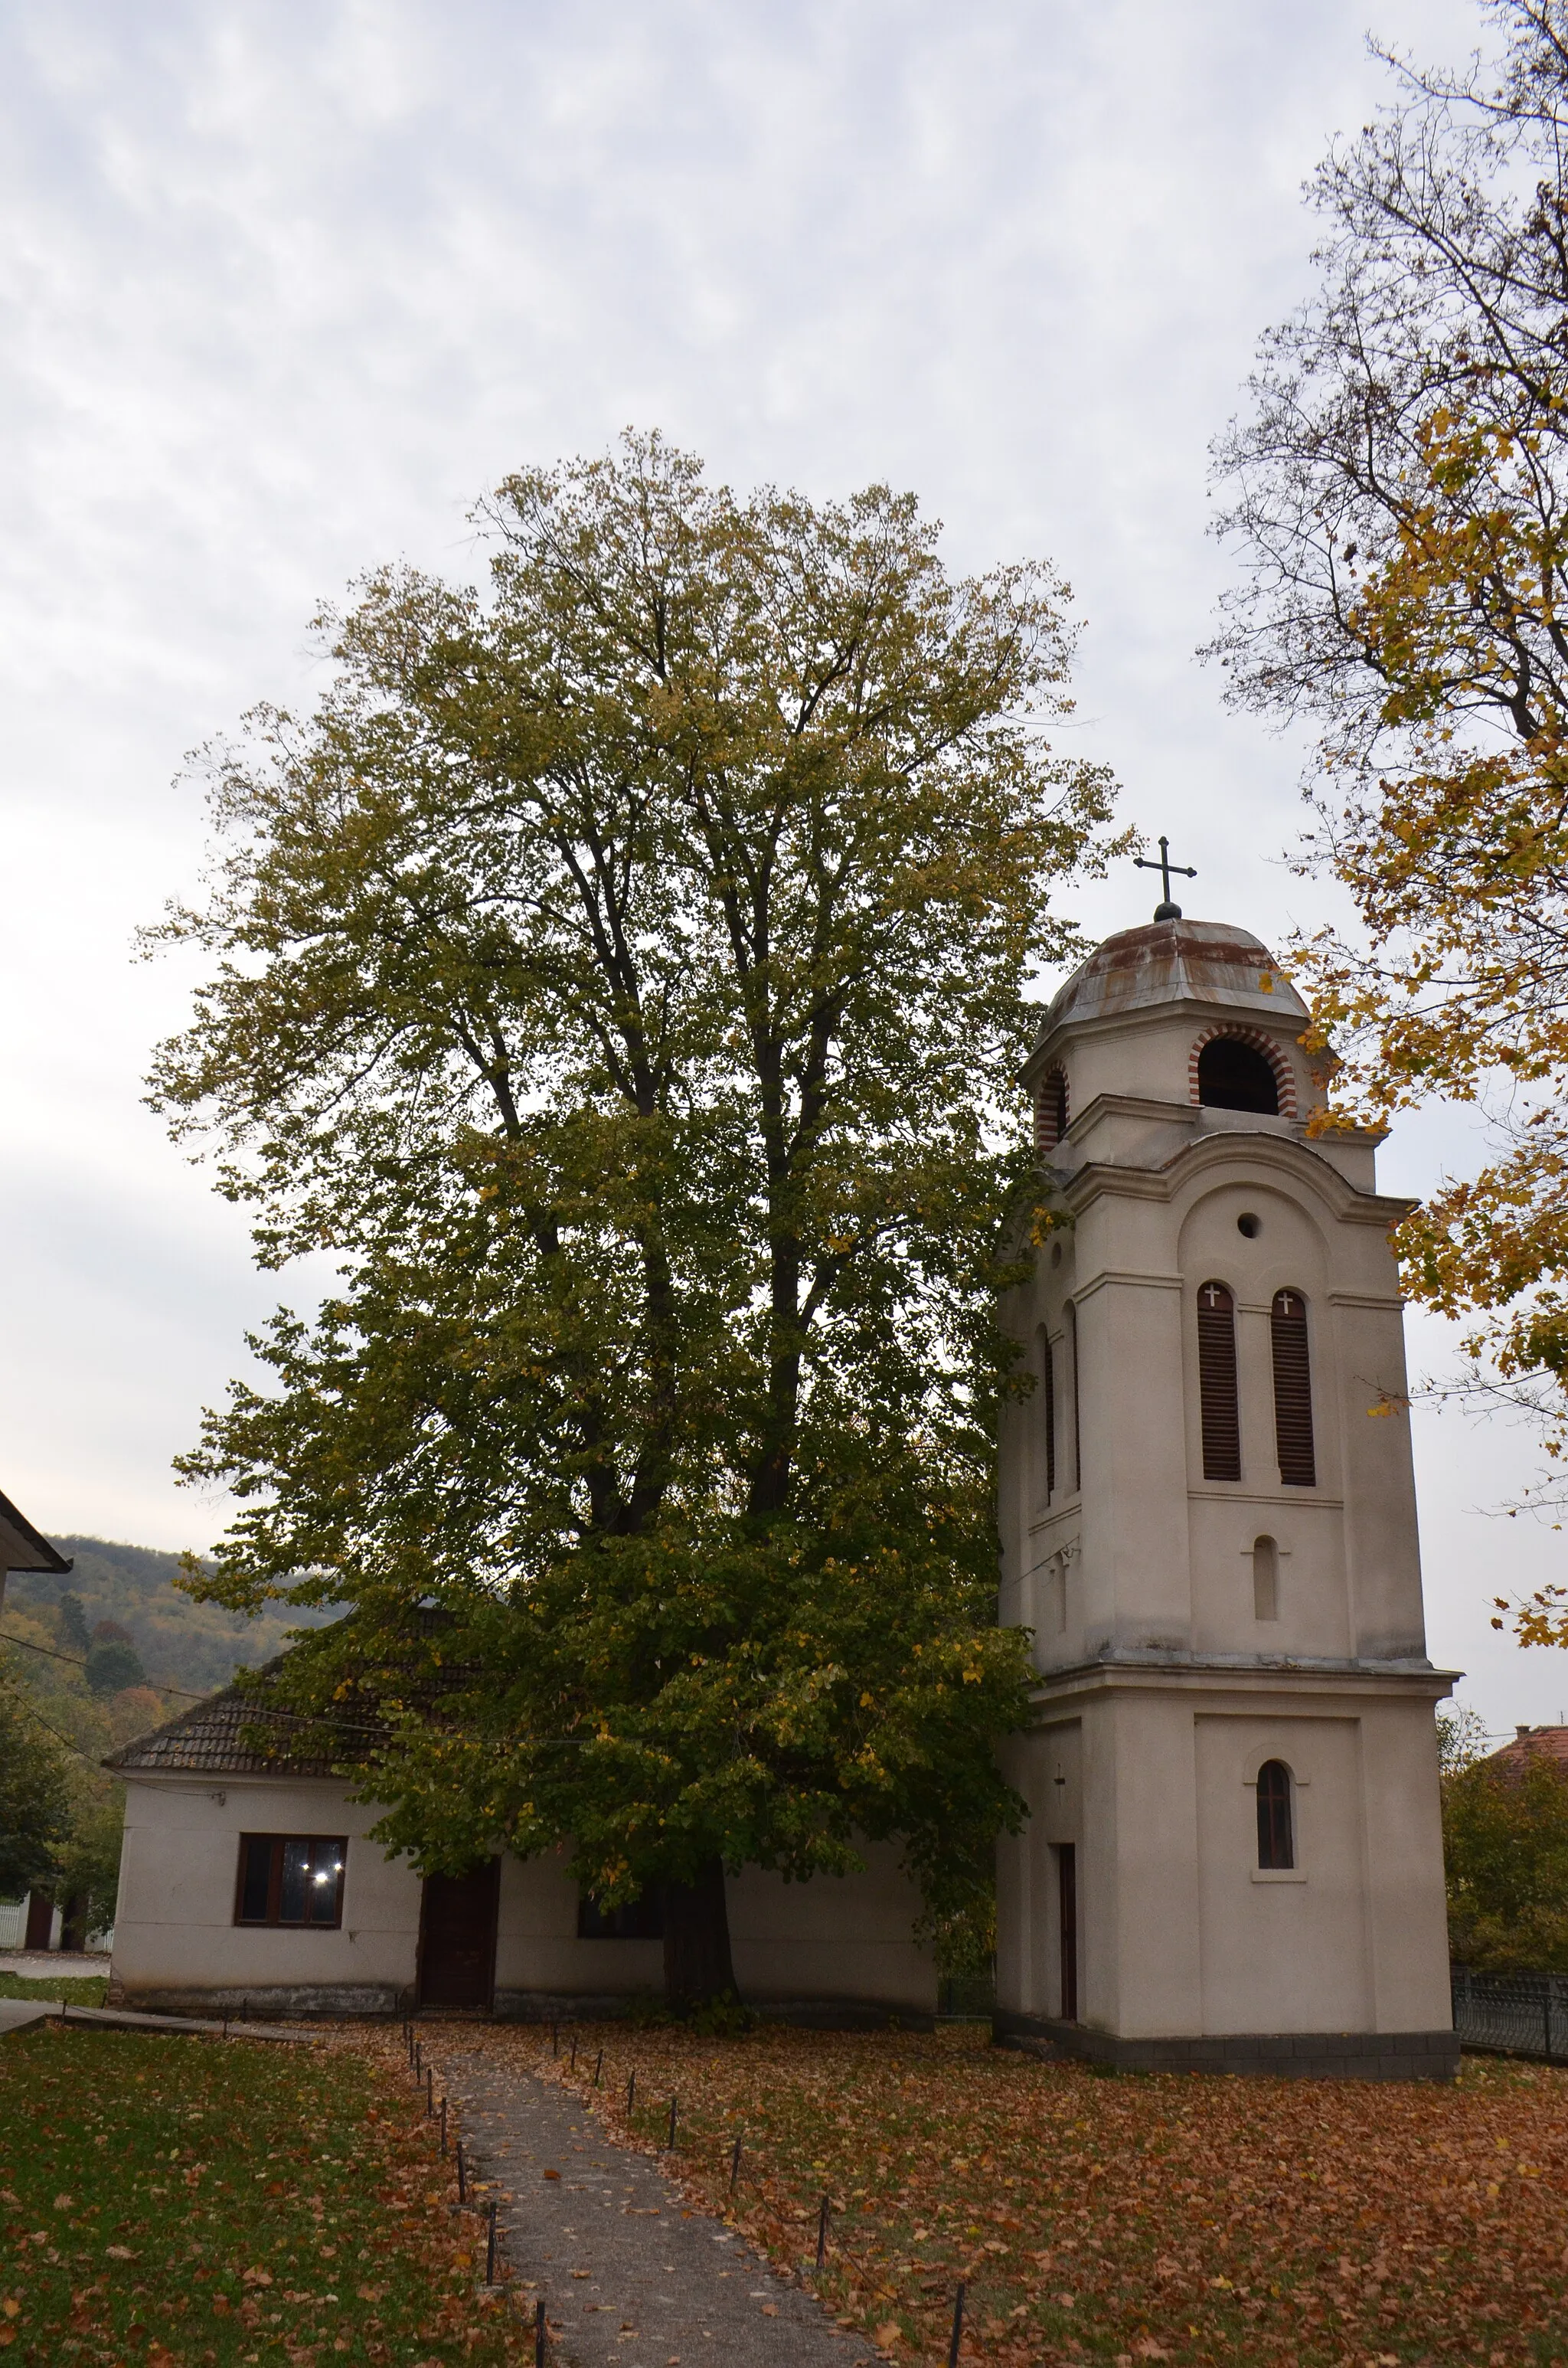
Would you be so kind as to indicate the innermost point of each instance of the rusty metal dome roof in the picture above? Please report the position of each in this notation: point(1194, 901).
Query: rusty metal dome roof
point(1175, 962)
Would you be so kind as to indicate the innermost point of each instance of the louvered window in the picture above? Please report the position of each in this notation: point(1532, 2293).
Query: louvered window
point(1217, 1383)
point(1048, 1355)
point(1276, 1842)
point(1051, 1112)
point(1293, 1391)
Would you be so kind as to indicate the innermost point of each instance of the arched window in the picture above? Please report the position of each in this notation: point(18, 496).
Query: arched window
point(1265, 1580)
point(1047, 1387)
point(1072, 1314)
point(1233, 1076)
point(1217, 1383)
point(1293, 1391)
point(1050, 1111)
point(1276, 1841)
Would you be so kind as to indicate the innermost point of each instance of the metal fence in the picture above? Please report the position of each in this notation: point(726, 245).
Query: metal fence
point(1512, 2014)
point(966, 1998)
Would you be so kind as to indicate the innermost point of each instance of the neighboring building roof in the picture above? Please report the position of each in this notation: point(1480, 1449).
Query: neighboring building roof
point(1533, 1743)
point(210, 1741)
point(1175, 961)
point(21, 1547)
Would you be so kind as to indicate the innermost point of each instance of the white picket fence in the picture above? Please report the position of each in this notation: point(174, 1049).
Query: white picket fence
point(13, 1930)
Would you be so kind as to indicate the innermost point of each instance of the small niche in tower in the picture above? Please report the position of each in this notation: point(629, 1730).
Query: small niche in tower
point(1233, 1076)
point(1265, 1580)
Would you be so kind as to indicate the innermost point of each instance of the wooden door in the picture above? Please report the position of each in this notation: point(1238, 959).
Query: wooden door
point(457, 1938)
point(1067, 1886)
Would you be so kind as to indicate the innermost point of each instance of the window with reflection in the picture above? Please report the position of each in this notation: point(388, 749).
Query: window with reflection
point(291, 1878)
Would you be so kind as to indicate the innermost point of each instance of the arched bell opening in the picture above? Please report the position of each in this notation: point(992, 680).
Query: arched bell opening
point(1234, 1074)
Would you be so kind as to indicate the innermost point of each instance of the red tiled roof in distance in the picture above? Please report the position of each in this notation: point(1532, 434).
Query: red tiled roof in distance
point(1532, 1743)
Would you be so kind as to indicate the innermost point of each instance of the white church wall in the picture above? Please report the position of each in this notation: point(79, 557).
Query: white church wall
point(177, 1946)
point(1283, 1952)
point(1408, 1908)
point(1142, 1865)
point(1135, 1582)
point(175, 1931)
point(849, 1936)
point(1379, 1480)
point(1046, 1767)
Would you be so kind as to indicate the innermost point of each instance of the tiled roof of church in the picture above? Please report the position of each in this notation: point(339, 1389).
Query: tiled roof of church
point(210, 1740)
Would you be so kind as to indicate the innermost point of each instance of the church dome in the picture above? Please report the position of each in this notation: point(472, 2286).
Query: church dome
point(1175, 962)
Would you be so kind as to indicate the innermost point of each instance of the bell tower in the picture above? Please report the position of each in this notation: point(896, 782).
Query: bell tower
point(1234, 1858)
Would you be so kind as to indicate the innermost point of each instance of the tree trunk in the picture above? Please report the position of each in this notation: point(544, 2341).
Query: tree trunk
point(697, 1939)
point(73, 1921)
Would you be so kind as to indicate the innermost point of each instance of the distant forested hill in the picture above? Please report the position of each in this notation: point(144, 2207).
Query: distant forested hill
point(194, 1646)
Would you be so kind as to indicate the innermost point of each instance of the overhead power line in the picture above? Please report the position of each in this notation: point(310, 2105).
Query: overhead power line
point(75, 1661)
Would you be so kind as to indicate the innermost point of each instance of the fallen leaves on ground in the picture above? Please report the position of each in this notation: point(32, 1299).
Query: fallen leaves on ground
point(193, 2204)
point(1123, 2218)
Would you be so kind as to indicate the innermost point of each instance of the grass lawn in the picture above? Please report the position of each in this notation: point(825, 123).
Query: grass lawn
point(171, 2200)
point(76, 1989)
point(1123, 2218)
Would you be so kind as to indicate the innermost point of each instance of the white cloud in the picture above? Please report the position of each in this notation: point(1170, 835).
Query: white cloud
point(285, 286)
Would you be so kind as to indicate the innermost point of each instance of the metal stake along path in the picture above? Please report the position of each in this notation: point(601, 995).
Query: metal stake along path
point(628, 2273)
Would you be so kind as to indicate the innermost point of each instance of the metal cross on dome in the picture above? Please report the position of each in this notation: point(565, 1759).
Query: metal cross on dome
point(1166, 910)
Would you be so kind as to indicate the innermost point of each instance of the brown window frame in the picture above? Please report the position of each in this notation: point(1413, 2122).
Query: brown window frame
point(1218, 1390)
point(274, 1920)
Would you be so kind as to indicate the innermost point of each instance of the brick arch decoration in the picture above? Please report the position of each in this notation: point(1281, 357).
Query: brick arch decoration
point(1260, 1040)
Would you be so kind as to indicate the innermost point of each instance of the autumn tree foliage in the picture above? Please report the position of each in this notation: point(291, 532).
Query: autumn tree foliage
point(35, 1802)
point(1399, 496)
point(1505, 1848)
point(620, 972)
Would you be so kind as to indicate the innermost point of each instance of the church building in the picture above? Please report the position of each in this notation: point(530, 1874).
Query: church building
point(1234, 1856)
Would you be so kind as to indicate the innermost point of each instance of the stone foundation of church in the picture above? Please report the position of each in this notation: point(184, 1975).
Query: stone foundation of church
point(371, 2001)
point(263, 2002)
point(810, 2014)
point(1287, 2056)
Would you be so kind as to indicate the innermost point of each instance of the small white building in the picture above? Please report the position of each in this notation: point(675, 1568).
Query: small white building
point(251, 1884)
point(1234, 1858)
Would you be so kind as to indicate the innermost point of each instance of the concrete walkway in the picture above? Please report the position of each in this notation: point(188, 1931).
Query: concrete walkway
point(16, 2014)
point(55, 1965)
point(628, 2271)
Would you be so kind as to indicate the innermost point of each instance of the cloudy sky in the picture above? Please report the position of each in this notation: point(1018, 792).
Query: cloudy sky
point(284, 287)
